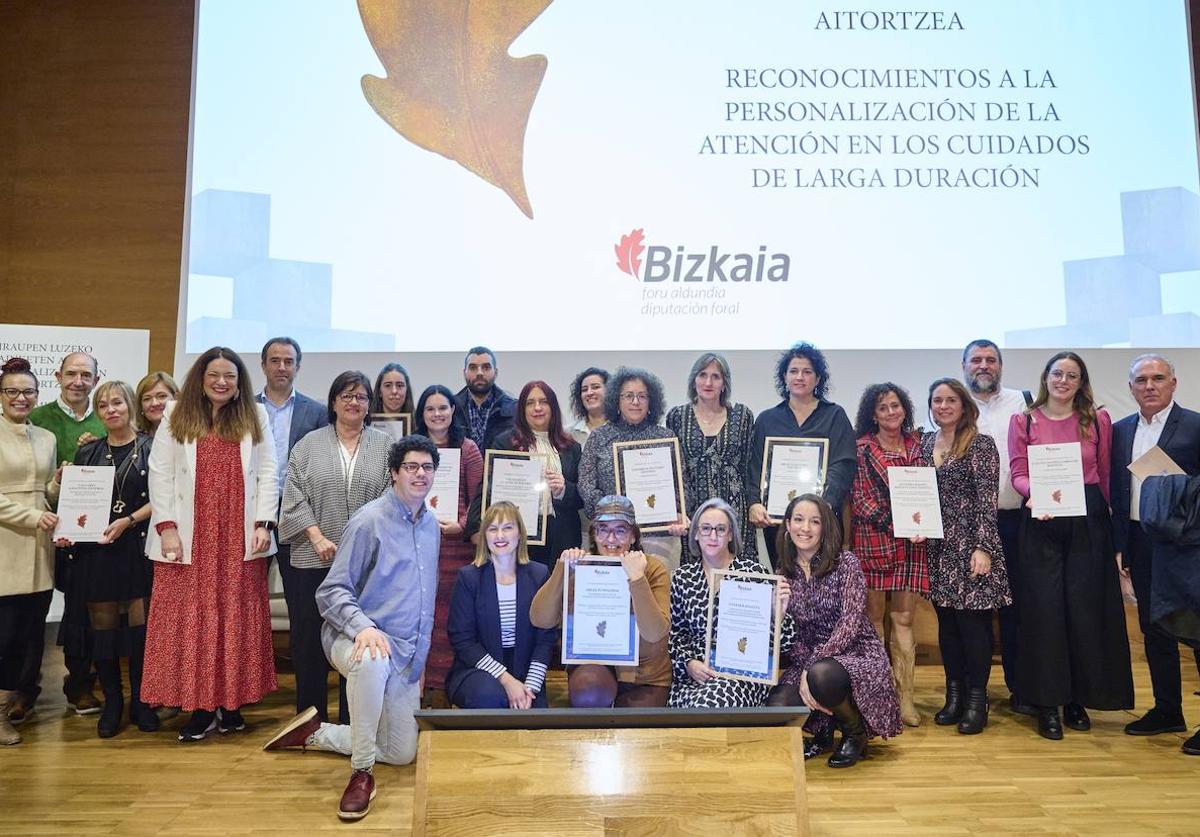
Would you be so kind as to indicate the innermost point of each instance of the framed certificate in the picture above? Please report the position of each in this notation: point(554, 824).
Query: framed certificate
point(518, 477)
point(443, 495)
point(916, 505)
point(650, 473)
point(396, 425)
point(742, 640)
point(598, 624)
point(791, 466)
point(1056, 480)
point(85, 502)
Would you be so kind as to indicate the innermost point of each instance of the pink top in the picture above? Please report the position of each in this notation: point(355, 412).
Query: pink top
point(1096, 449)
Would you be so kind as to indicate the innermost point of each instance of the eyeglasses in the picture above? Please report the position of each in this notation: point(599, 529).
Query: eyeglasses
point(13, 392)
point(1060, 375)
point(353, 398)
point(413, 467)
point(720, 530)
point(635, 397)
point(607, 533)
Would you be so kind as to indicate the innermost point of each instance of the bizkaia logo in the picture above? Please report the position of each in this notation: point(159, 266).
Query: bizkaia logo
point(676, 264)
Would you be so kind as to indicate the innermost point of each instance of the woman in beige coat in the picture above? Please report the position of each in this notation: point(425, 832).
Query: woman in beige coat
point(27, 485)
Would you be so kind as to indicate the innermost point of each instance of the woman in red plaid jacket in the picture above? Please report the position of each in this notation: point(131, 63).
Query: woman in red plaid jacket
point(894, 567)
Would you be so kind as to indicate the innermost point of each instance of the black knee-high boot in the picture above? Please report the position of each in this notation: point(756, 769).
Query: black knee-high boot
point(108, 666)
point(853, 746)
point(139, 713)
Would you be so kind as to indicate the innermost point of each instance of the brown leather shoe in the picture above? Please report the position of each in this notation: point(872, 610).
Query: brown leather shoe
point(296, 731)
point(356, 801)
point(85, 703)
point(20, 708)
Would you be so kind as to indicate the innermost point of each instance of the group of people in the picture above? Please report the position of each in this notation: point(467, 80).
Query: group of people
point(212, 478)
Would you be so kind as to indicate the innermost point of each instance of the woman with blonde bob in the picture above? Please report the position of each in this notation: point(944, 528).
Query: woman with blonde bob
point(500, 658)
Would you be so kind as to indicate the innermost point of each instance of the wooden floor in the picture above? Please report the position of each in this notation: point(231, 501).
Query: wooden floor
point(930, 780)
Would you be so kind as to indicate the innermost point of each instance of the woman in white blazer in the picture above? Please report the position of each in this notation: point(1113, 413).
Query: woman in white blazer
point(213, 497)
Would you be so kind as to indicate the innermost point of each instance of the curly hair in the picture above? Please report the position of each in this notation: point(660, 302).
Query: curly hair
point(865, 422)
point(577, 408)
point(654, 387)
point(809, 352)
point(407, 444)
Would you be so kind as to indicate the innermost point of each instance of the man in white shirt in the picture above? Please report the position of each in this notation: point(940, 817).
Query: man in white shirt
point(1163, 423)
point(982, 366)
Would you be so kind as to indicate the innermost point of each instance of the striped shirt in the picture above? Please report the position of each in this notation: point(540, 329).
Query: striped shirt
point(506, 596)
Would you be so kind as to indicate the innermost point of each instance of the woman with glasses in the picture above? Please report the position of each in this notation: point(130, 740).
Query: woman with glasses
point(634, 404)
point(802, 380)
point(28, 485)
point(436, 419)
point(715, 436)
point(615, 534)
point(213, 498)
point(1075, 649)
point(153, 393)
point(332, 472)
point(715, 542)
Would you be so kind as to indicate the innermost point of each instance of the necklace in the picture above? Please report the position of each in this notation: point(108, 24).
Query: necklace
point(127, 466)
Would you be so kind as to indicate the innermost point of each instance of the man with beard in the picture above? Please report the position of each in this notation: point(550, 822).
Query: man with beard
point(486, 410)
point(982, 365)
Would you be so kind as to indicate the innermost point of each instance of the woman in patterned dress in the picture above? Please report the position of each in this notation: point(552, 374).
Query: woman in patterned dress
point(894, 567)
point(212, 467)
point(715, 543)
point(715, 435)
point(967, 576)
point(434, 417)
point(839, 667)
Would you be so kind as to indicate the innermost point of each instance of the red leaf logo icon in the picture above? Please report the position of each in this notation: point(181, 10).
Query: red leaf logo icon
point(917, 518)
point(629, 252)
point(1056, 496)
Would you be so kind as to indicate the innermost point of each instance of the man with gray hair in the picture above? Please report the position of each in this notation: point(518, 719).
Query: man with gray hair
point(1176, 431)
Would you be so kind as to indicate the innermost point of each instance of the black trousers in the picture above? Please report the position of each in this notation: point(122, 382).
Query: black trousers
point(479, 690)
point(1162, 649)
point(1008, 521)
point(965, 640)
point(1072, 615)
point(23, 641)
point(308, 656)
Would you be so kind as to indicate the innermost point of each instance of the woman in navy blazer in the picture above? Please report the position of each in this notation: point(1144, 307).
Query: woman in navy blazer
point(500, 659)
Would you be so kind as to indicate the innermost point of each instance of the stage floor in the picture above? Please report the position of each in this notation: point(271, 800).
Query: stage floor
point(930, 780)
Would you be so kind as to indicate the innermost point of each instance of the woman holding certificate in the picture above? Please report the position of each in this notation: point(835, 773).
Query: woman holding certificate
point(153, 393)
point(27, 486)
point(434, 417)
point(839, 668)
point(802, 380)
point(115, 574)
point(714, 539)
point(1072, 616)
point(634, 403)
point(213, 498)
point(894, 567)
point(500, 658)
point(715, 436)
point(615, 534)
point(333, 471)
point(967, 576)
point(538, 429)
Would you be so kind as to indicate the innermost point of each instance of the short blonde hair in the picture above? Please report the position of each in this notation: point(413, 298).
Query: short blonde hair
point(121, 387)
point(501, 512)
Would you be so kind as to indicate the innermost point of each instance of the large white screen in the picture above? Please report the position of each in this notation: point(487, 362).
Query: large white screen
point(311, 215)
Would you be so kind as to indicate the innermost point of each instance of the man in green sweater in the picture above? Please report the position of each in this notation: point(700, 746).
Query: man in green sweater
point(71, 418)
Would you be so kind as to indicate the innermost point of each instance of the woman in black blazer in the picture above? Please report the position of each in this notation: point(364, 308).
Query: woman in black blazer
point(538, 428)
point(500, 659)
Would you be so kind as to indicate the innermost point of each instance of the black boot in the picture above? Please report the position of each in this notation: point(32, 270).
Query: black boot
point(139, 713)
point(1049, 724)
point(952, 712)
point(114, 701)
point(975, 715)
point(819, 744)
point(853, 746)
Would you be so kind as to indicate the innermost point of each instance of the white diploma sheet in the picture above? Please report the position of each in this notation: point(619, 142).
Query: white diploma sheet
point(1056, 480)
point(85, 502)
point(916, 506)
point(443, 496)
point(743, 633)
point(522, 483)
point(601, 619)
point(649, 482)
point(795, 470)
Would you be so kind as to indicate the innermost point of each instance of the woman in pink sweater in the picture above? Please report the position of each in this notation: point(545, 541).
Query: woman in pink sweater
point(1068, 593)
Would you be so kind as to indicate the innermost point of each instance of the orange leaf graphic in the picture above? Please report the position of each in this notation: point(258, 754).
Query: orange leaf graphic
point(451, 86)
point(433, 501)
point(1056, 496)
point(629, 252)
